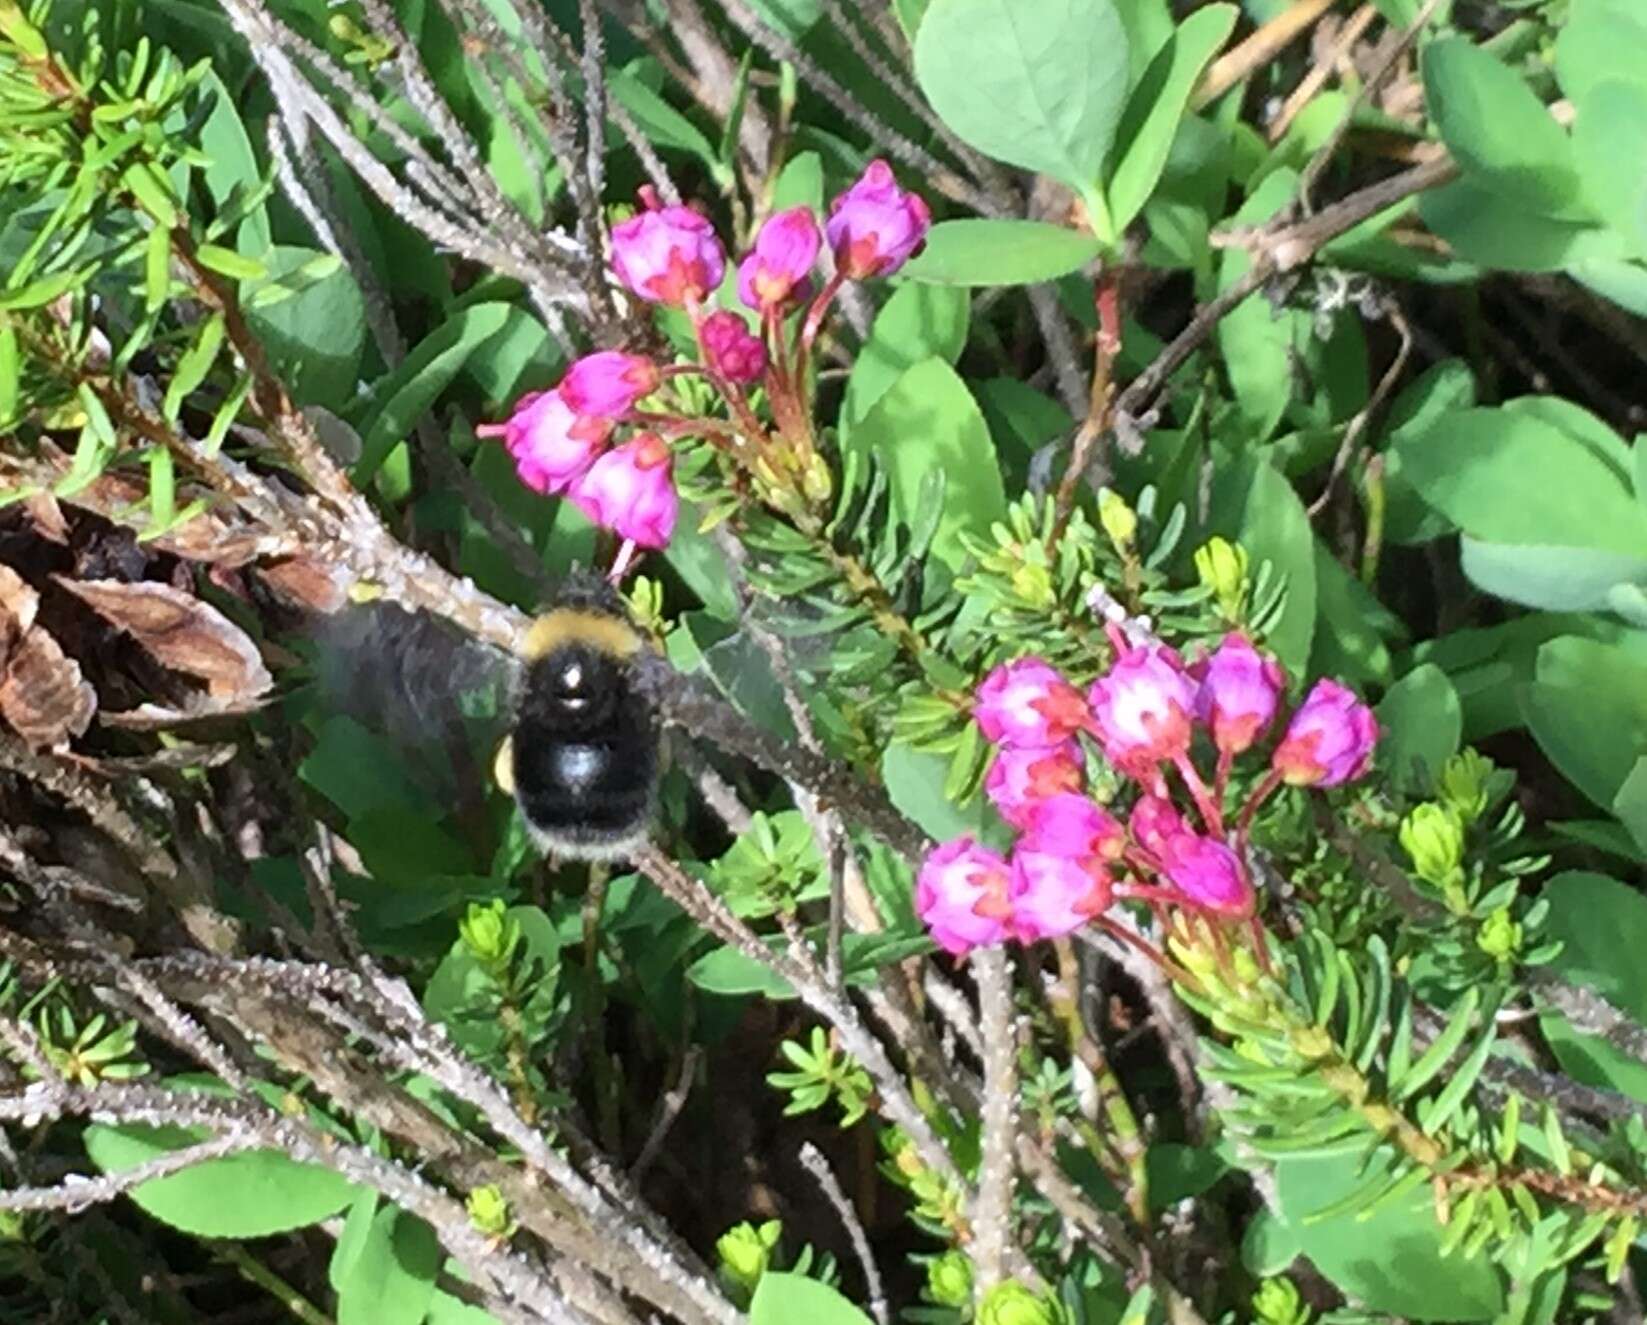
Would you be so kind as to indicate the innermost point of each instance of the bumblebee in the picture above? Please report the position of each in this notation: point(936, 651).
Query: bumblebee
point(581, 759)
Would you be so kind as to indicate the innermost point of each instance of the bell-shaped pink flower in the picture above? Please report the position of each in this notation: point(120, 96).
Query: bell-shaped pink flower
point(631, 489)
point(777, 268)
point(1329, 740)
point(1153, 822)
point(1208, 873)
point(609, 383)
point(551, 446)
point(875, 227)
point(668, 255)
point(1054, 895)
point(1070, 824)
point(1028, 702)
point(1240, 689)
point(734, 353)
point(1022, 776)
point(1142, 709)
point(963, 896)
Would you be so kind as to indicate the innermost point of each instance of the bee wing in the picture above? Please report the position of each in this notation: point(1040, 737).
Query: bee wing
point(420, 683)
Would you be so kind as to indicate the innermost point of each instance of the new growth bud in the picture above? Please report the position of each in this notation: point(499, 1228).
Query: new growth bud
point(1222, 566)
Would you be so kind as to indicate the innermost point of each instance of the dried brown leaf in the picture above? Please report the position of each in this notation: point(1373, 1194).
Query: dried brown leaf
point(43, 696)
point(309, 582)
point(183, 633)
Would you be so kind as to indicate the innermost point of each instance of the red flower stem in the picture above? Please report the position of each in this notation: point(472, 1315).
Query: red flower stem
point(1260, 794)
point(1143, 892)
point(675, 425)
point(1260, 947)
point(748, 424)
point(1221, 778)
point(814, 320)
point(1212, 817)
point(683, 370)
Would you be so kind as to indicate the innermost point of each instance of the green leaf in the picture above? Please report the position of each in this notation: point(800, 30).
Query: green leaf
point(789, 1299)
point(230, 161)
point(463, 996)
point(401, 398)
point(1587, 708)
point(254, 1195)
point(662, 124)
point(1257, 506)
point(1508, 476)
point(915, 784)
point(315, 336)
point(226, 262)
point(391, 1277)
point(1502, 136)
point(1481, 229)
point(726, 970)
point(1602, 927)
point(800, 183)
point(1601, 40)
point(1558, 579)
point(1156, 107)
point(793, 18)
point(1000, 253)
point(1389, 1258)
point(1038, 86)
point(1422, 728)
point(928, 421)
point(1610, 146)
point(919, 322)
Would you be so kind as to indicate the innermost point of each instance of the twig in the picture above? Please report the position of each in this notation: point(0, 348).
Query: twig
point(1320, 72)
point(992, 1212)
point(1257, 50)
point(1358, 425)
point(669, 1109)
point(813, 1159)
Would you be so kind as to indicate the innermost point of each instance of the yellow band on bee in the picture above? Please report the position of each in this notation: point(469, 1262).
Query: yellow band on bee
point(567, 625)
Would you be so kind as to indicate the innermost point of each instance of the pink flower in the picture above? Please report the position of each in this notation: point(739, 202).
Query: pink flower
point(609, 383)
point(1153, 821)
point(1240, 689)
point(552, 447)
point(732, 351)
point(875, 227)
point(1054, 895)
point(1072, 825)
point(1329, 740)
point(1028, 702)
point(1022, 776)
point(631, 489)
point(962, 895)
point(1142, 709)
point(1208, 873)
point(777, 267)
point(668, 255)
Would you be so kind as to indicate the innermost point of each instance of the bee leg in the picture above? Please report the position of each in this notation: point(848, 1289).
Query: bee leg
point(503, 766)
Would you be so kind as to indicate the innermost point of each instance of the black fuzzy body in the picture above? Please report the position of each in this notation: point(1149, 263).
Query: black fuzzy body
point(584, 752)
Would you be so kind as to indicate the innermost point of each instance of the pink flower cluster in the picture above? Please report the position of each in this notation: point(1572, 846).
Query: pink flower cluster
point(1073, 858)
point(562, 440)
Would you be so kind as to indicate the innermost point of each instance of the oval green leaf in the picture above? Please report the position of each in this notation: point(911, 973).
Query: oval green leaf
point(1040, 86)
point(1000, 253)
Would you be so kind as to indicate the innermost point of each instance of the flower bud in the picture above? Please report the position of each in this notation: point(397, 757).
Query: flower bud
point(1023, 776)
point(745, 1251)
point(1222, 566)
point(1209, 874)
point(552, 446)
point(875, 227)
point(1240, 689)
point(1277, 1303)
point(1433, 837)
point(1153, 822)
point(1465, 784)
point(1330, 739)
point(1142, 708)
point(1011, 1303)
point(668, 255)
point(776, 270)
point(1119, 520)
point(949, 1279)
point(1500, 935)
point(490, 933)
point(733, 352)
point(608, 383)
point(489, 1212)
point(631, 489)
point(1054, 895)
point(963, 896)
point(1028, 702)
